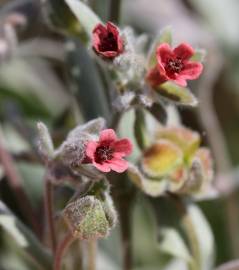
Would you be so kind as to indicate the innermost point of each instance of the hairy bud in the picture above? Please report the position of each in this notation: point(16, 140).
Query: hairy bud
point(87, 218)
point(45, 144)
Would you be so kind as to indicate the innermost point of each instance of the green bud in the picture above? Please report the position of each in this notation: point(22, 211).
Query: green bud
point(87, 218)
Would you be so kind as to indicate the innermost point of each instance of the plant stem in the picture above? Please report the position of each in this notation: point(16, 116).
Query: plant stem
point(15, 183)
point(125, 223)
point(48, 201)
point(62, 249)
point(92, 250)
point(115, 6)
point(124, 194)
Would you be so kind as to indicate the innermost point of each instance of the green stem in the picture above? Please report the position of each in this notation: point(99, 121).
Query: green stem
point(124, 194)
point(115, 7)
point(62, 249)
point(48, 201)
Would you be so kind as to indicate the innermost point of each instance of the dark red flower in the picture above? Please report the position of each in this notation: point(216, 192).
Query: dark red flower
point(107, 41)
point(174, 65)
point(107, 153)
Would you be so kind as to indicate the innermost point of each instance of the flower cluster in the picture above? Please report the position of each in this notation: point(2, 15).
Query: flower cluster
point(86, 147)
point(174, 163)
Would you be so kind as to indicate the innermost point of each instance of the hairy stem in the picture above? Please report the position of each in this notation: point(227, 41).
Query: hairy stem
point(92, 249)
point(49, 212)
point(62, 249)
point(115, 6)
point(15, 183)
point(124, 194)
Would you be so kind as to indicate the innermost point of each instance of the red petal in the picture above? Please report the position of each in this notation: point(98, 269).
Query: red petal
point(191, 71)
point(118, 165)
point(90, 149)
point(104, 167)
point(123, 147)
point(109, 54)
point(112, 28)
point(107, 135)
point(180, 81)
point(99, 29)
point(163, 53)
point(154, 77)
point(184, 51)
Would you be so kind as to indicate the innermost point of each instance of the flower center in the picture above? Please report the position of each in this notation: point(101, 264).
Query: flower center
point(108, 43)
point(174, 65)
point(103, 153)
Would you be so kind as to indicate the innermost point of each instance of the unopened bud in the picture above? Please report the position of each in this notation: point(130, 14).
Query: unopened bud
point(87, 218)
point(45, 144)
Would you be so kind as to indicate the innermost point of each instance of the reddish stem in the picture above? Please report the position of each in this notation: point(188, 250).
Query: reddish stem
point(15, 183)
point(49, 212)
point(61, 250)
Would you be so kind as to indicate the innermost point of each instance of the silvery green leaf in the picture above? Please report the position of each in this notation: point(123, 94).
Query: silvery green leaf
point(199, 55)
point(177, 94)
point(87, 18)
point(45, 144)
point(24, 238)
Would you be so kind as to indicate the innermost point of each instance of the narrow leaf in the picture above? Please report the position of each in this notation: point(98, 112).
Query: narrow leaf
point(24, 238)
point(199, 55)
point(87, 18)
point(177, 94)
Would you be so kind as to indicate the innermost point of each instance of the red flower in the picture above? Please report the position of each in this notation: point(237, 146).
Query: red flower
point(106, 154)
point(174, 65)
point(107, 41)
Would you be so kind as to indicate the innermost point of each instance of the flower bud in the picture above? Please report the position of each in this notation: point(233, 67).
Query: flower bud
point(45, 144)
point(89, 218)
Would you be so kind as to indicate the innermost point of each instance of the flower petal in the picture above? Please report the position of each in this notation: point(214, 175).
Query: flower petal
point(104, 167)
point(164, 52)
point(112, 28)
point(154, 77)
point(124, 147)
point(115, 31)
point(118, 165)
point(184, 51)
point(90, 149)
point(107, 135)
point(100, 29)
point(192, 71)
point(180, 81)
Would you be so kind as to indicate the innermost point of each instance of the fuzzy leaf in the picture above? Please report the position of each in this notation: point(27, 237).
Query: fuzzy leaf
point(171, 242)
point(46, 147)
point(150, 187)
point(177, 94)
point(24, 238)
point(199, 55)
point(184, 138)
point(87, 18)
point(140, 130)
point(159, 112)
point(165, 36)
point(161, 159)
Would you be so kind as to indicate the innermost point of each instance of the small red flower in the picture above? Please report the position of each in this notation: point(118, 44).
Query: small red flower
point(174, 65)
point(107, 41)
point(106, 154)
